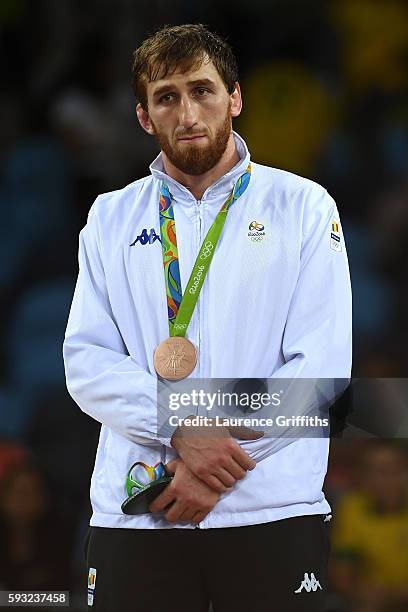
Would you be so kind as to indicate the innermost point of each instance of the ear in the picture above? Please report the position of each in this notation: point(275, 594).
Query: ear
point(236, 101)
point(144, 119)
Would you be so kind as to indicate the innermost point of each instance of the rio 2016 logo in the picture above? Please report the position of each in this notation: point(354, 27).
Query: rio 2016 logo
point(257, 227)
point(256, 231)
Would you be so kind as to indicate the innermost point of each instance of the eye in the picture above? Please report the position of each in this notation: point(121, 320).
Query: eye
point(201, 91)
point(166, 98)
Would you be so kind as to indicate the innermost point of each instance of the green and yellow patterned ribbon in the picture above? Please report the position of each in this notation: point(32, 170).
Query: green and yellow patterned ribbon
point(181, 307)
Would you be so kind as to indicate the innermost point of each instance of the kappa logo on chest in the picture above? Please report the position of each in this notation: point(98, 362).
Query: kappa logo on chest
point(145, 238)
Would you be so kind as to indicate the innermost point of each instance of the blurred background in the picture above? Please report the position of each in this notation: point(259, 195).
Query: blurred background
point(325, 89)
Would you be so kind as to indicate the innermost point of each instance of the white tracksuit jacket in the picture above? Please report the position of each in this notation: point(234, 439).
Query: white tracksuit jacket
point(276, 307)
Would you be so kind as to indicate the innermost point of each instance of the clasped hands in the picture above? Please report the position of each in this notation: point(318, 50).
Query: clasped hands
point(209, 463)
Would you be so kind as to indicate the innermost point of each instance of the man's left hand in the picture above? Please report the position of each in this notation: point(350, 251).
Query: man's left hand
point(189, 498)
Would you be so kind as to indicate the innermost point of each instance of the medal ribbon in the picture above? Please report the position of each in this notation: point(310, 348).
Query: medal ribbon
point(180, 307)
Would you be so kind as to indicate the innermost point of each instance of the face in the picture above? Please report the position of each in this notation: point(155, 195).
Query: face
point(190, 115)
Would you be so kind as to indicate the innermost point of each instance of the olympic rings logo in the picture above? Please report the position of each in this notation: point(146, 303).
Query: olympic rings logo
point(180, 325)
point(256, 238)
point(208, 249)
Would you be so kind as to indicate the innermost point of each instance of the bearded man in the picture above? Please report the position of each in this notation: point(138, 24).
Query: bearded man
point(256, 286)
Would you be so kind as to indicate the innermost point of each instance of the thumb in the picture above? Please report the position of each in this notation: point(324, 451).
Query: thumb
point(171, 467)
point(245, 433)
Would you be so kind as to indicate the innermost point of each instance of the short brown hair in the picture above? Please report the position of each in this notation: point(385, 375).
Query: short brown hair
point(183, 46)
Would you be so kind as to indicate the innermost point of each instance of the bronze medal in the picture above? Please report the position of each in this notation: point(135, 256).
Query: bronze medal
point(175, 358)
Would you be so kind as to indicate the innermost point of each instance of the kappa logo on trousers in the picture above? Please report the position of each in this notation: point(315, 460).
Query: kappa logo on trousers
point(309, 584)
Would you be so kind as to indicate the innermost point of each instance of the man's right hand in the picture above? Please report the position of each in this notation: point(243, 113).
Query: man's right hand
point(213, 455)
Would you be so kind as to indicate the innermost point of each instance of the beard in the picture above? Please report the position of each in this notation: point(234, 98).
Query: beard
point(193, 158)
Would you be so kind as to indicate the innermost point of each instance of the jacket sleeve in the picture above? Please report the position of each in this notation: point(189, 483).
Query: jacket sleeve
point(102, 378)
point(317, 340)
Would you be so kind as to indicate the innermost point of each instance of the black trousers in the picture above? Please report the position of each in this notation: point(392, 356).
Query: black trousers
point(272, 567)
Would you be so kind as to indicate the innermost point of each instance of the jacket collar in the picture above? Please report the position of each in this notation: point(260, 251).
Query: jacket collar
point(221, 187)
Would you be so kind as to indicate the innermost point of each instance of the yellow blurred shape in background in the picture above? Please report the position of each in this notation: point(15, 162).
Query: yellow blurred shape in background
point(287, 116)
point(374, 42)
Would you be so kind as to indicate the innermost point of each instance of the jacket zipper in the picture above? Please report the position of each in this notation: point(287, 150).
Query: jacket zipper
point(198, 303)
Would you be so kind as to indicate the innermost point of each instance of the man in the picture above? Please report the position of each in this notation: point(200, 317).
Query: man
point(242, 523)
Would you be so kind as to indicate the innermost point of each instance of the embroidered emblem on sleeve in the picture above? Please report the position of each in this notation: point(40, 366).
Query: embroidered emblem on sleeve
point(335, 237)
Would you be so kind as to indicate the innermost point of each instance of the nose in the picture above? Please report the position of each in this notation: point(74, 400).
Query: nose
point(187, 112)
